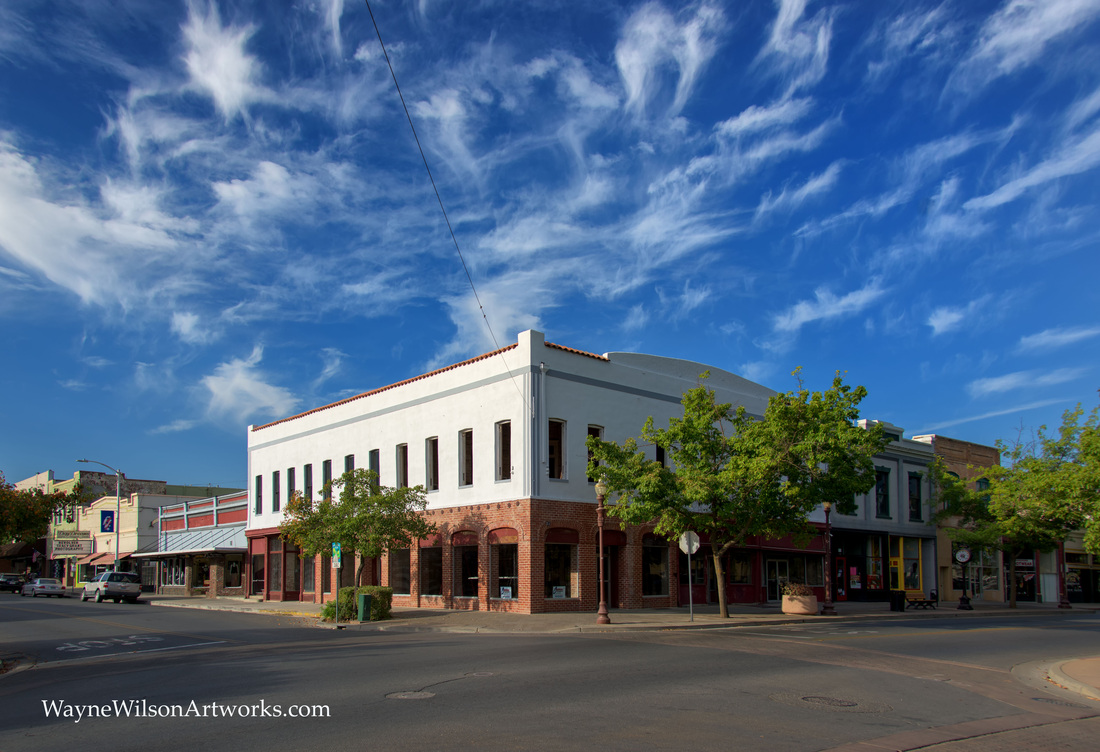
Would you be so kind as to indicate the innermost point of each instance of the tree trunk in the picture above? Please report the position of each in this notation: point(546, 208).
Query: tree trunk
point(359, 570)
point(720, 578)
point(1012, 582)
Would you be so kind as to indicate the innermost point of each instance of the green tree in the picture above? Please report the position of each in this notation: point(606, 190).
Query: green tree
point(364, 516)
point(1045, 489)
point(733, 476)
point(25, 514)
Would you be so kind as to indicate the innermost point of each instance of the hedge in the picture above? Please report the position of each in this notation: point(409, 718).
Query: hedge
point(348, 598)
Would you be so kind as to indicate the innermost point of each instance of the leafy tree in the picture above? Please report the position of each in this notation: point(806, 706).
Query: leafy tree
point(733, 476)
point(1046, 489)
point(365, 517)
point(25, 514)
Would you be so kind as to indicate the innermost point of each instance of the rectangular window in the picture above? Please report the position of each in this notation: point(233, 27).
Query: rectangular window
point(374, 464)
point(555, 445)
point(561, 570)
point(275, 565)
point(431, 463)
point(259, 494)
point(307, 574)
point(504, 450)
point(654, 566)
point(465, 569)
point(595, 432)
point(326, 574)
point(506, 561)
point(307, 482)
point(276, 488)
point(400, 571)
point(289, 483)
point(915, 514)
point(326, 478)
point(911, 562)
point(882, 492)
point(431, 571)
point(293, 564)
point(402, 465)
point(349, 463)
point(740, 569)
point(466, 457)
point(660, 455)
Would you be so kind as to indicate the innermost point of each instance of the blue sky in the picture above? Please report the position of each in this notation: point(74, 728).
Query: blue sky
point(214, 214)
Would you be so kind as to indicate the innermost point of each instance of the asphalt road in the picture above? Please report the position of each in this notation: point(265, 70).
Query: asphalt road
point(799, 687)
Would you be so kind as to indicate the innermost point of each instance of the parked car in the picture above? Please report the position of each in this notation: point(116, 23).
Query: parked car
point(113, 585)
point(46, 586)
point(11, 582)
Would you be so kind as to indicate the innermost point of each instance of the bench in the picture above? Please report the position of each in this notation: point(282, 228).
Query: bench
point(919, 601)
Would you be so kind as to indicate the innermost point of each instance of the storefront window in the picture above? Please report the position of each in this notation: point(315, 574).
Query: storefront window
point(307, 574)
point(911, 563)
point(275, 565)
point(874, 564)
point(654, 566)
point(233, 567)
point(561, 568)
point(400, 571)
point(431, 571)
point(506, 559)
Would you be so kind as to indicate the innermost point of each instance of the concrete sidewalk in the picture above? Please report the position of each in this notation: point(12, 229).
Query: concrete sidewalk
point(1080, 675)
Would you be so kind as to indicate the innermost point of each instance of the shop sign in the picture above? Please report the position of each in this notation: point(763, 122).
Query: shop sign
point(1025, 563)
point(72, 534)
point(62, 549)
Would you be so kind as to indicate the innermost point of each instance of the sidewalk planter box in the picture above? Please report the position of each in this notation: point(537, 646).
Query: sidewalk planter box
point(800, 604)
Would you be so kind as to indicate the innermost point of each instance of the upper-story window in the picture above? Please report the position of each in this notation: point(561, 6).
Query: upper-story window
point(466, 457)
point(289, 483)
point(307, 482)
point(555, 458)
point(595, 432)
point(349, 463)
point(374, 464)
point(275, 486)
point(326, 478)
point(504, 450)
point(402, 465)
point(259, 507)
point(882, 492)
point(660, 453)
point(431, 463)
point(915, 513)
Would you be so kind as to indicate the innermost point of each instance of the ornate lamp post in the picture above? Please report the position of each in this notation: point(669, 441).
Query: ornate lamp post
point(118, 502)
point(601, 492)
point(827, 609)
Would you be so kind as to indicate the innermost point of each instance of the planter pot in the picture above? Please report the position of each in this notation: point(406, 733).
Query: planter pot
point(800, 604)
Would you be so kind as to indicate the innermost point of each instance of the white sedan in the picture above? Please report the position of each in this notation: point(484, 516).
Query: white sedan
point(46, 586)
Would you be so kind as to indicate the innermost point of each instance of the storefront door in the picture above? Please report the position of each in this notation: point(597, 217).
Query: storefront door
point(841, 581)
point(776, 578)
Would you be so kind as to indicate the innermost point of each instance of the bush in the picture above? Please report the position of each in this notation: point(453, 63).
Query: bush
point(348, 599)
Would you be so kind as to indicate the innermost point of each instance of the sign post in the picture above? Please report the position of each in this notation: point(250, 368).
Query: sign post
point(689, 544)
point(336, 556)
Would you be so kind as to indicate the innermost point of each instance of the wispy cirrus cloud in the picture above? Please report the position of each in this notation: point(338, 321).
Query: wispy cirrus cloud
point(794, 198)
point(948, 318)
point(827, 306)
point(238, 390)
point(1022, 380)
point(799, 46)
point(218, 62)
point(1051, 339)
point(985, 416)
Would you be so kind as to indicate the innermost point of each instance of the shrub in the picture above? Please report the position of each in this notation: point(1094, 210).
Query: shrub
point(797, 588)
point(348, 599)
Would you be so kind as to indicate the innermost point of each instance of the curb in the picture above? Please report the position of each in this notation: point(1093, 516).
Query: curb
point(236, 609)
point(1056, 676)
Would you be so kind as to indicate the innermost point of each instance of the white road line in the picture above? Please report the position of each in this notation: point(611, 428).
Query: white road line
point(135, 652)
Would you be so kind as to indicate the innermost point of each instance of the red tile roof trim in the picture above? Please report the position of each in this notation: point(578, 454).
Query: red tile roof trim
point(578, 352)
point(387, 388)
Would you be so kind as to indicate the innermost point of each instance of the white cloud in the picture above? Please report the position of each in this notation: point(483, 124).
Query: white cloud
point(652, 40)
point(1021, 33)
point(800, 46)
point(1050, 339)
point(238, 390)
point(826, 306)
point(1022, 380)
point(983, 416)
point(946, 319)
point(331, 361)
point(754, 118)
point(187, 327)
point(792, 199)
point(1072, 159)
point(218, 63)
point(636, 319)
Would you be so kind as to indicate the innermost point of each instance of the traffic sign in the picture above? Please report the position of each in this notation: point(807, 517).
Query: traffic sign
point(689, 542)
point(335, 555)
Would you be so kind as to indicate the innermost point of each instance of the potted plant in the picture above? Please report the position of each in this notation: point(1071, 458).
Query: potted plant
point(798, 599)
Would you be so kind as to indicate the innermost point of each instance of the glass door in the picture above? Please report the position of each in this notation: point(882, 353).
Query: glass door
point(776, 578)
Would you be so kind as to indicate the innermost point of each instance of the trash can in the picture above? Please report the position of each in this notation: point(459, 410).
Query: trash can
point(364, 607)
point(897, 600)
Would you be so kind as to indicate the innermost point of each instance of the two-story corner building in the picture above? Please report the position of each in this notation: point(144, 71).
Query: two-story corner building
point(890, 541)
point(980, 576)
point(498, 443)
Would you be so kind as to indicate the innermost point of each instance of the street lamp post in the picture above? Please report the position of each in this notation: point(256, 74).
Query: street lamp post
point(827, 609)
point(1063, 599)
point(118, 501)
point(601, 491)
